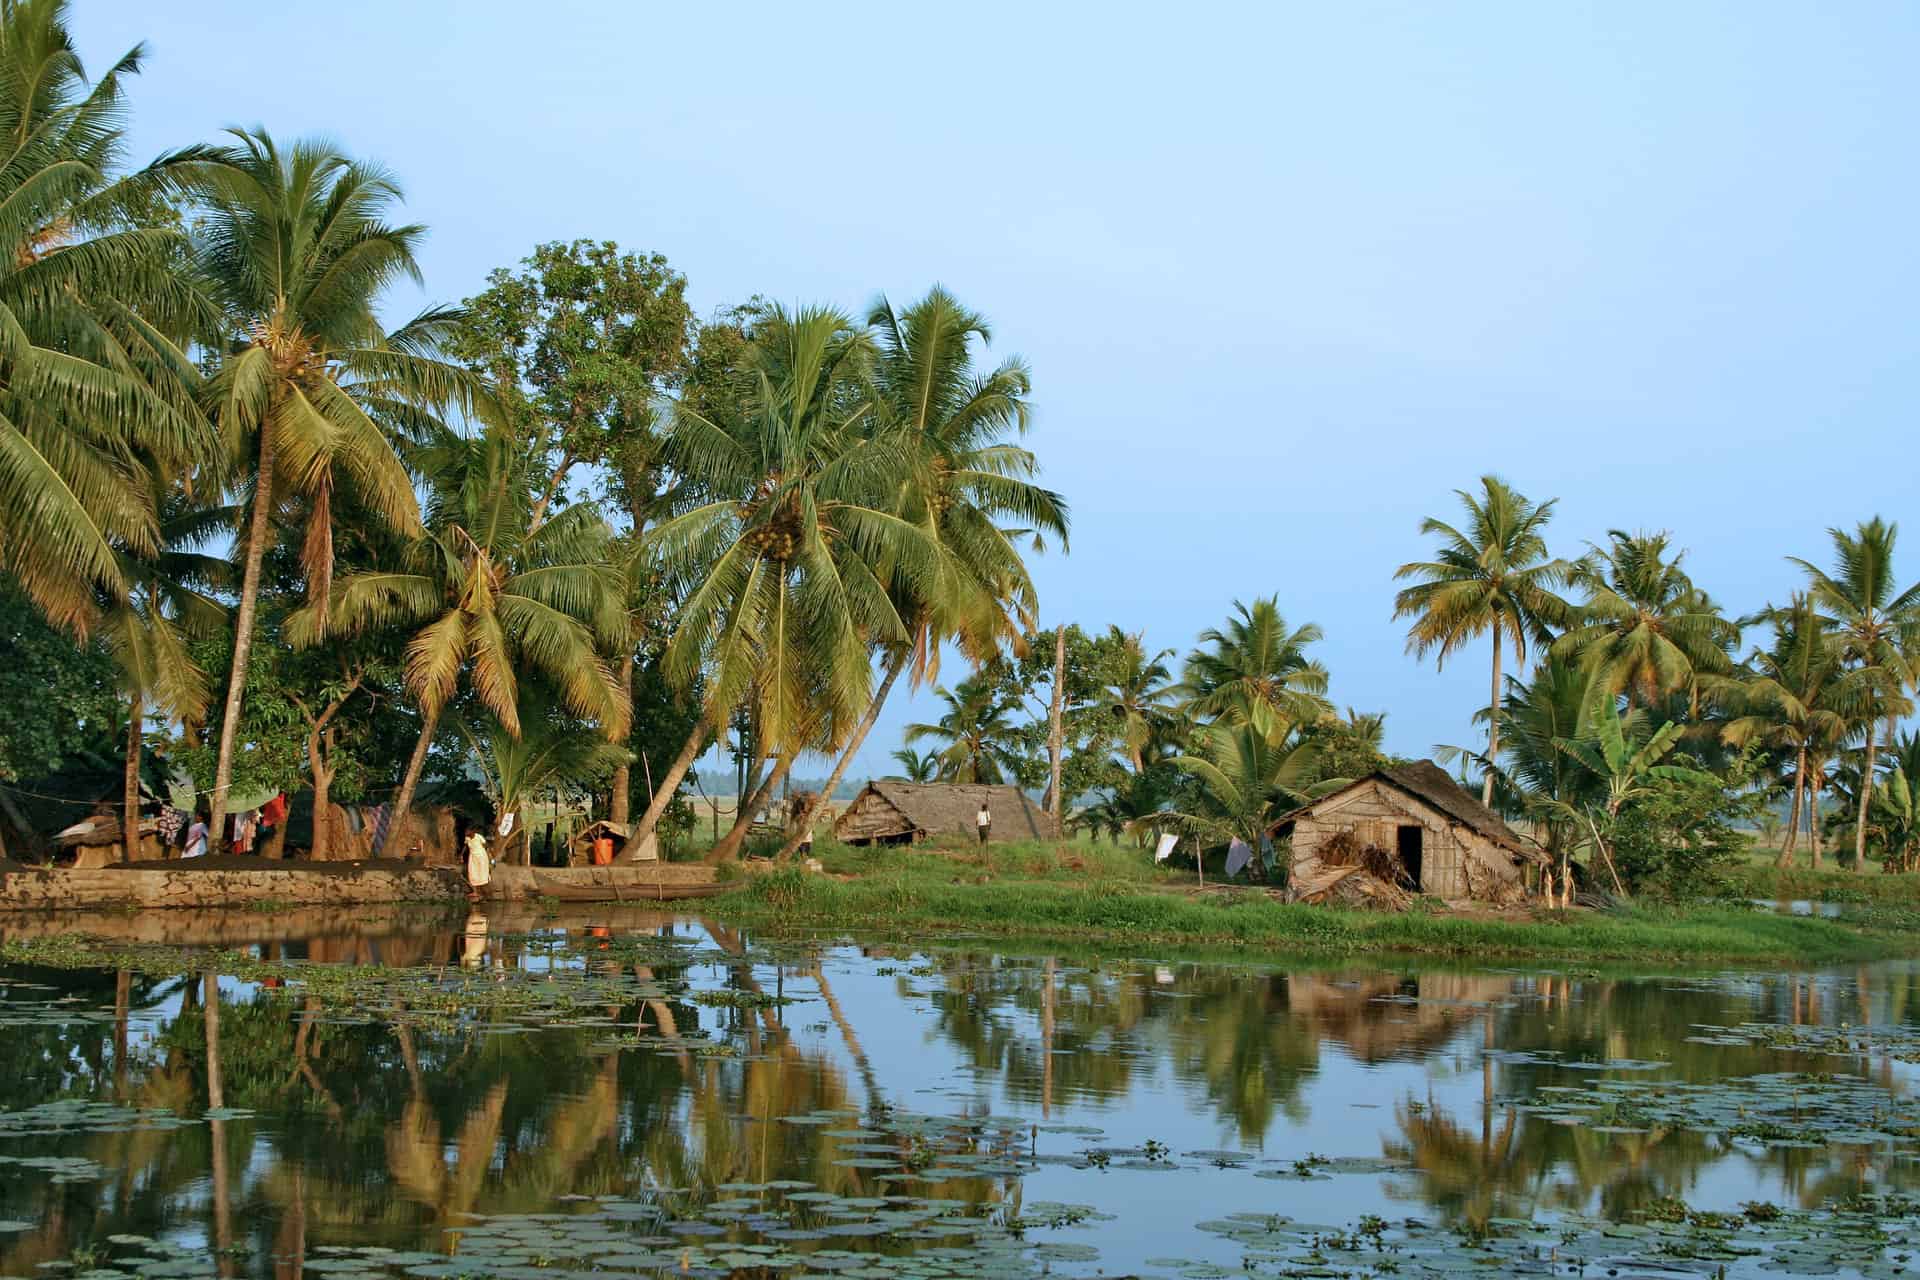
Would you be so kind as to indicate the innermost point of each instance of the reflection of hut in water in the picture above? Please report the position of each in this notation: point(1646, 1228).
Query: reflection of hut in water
point(1408, 829)
point(1379, 1017)
point(889, 812)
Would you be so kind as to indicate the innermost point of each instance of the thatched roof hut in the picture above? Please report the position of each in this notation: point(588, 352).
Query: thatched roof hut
point(1408, 829)
point(901, 812)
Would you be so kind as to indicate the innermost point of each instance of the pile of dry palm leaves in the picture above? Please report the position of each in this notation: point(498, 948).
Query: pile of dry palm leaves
point(1344, 872)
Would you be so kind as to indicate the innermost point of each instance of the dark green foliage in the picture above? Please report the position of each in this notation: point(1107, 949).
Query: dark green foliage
point(56, 696)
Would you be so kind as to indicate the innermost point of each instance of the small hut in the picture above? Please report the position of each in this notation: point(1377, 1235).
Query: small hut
point(580, 846)
point(906, 812)
point(1408, 829)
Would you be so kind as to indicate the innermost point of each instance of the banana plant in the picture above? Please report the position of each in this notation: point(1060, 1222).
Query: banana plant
point(1897, 801)
point(1627, 770)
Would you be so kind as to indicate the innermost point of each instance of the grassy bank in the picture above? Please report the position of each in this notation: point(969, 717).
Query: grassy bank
point(1772, 884)
point(1096, 892)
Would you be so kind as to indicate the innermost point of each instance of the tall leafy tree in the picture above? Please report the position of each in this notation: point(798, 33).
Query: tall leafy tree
point(1644, 629)
point(311, 389)
point(1256, 671)
point(1877, 625)
point(1492, 576)
point(1248, 779)
point(94, 382)
point(489, 597)
point(917, 766)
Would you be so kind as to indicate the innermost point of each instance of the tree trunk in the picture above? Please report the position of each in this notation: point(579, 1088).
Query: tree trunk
point(620, 802)
point(1866, 800)
point(403, 803)
point(729, 847)
point(1792, 840)
point(1056, 737)
point(216, 1087)
point(217, 1101)
point(1815, 785)
point(130, 790)
point(242, 640)
point(1493, 722)
point(860, 732)
point(669, 784)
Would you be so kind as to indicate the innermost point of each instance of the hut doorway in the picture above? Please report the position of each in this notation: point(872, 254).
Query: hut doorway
point(1409, 851)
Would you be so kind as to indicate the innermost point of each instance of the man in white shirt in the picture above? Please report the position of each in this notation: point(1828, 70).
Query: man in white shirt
point(984, 821)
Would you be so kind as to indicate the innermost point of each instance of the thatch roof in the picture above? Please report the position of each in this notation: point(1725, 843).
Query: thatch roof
point(1428, 782)
point(944, 808)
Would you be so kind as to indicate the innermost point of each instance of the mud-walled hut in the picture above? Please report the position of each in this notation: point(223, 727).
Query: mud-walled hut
point(908, 812)
point(1401, 831)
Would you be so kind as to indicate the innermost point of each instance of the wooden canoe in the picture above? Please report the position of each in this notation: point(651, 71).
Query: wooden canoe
point(569, 890)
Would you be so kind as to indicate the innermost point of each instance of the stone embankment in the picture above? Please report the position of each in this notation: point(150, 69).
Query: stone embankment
point(192, 885)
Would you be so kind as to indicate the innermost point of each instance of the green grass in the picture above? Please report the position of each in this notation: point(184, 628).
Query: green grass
point(1768, 882)
point(1116, 895)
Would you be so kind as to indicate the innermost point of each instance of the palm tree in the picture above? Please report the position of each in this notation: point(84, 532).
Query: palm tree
point(311, 389)
point(917, 766)
point(982, 741)
point(1493, 576)
point(490, 600)
point(169, 599)
point(1141, 697)
point(1897, 802)
point(94, 384)
point(1256, 671)
point(1797, 697)
point(789, 516)
point(1536, 777)
point(969, 488)
point(1644, 629)
point(1247, 781)
point(1877, 627)
point(549, 753)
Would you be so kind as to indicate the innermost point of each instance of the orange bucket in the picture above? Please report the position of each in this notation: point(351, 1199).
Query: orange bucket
point(603, 851)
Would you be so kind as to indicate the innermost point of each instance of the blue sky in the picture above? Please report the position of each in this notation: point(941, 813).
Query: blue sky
point(1286, 274)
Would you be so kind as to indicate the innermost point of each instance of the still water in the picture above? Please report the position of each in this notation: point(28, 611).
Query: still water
point(629, 1093)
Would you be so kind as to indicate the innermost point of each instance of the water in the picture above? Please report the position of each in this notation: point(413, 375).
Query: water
point(631, 1093)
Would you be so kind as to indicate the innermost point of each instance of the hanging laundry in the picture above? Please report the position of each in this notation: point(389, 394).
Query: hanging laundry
point(378, 818)
point(275, 811)
point(172, 822)
point(1239, 853)
point(1164, 850)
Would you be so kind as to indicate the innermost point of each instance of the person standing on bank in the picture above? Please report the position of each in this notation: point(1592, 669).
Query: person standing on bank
point(479, 866)
point(984, 821)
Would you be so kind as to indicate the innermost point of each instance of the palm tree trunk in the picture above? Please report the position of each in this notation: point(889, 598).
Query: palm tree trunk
point(242, 639)
point(669, 785)
point(1814, 785)
point(1056, 737)
point(1493, 722)
point(1793, 812)
point(1866, 799)
point(130, 789)
point(620, 802)
point(860, 732)
point(403, 803)
point(729, 847)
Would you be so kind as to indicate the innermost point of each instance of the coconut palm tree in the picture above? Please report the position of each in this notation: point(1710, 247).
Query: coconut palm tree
point(1493, 576)
point(917, 766)
point(1536, 778)
point(490, 600)
point(970, 488)
point(789, 514)
point(1877, 626)
point(168, 601)
point(1644, 629)
point(94, 316)
point(311, 390)
point(1256, 671)
point(1796, 696)
point(981, 740)
point(1141, 697)
point(1247, 780)
point(550, 752)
